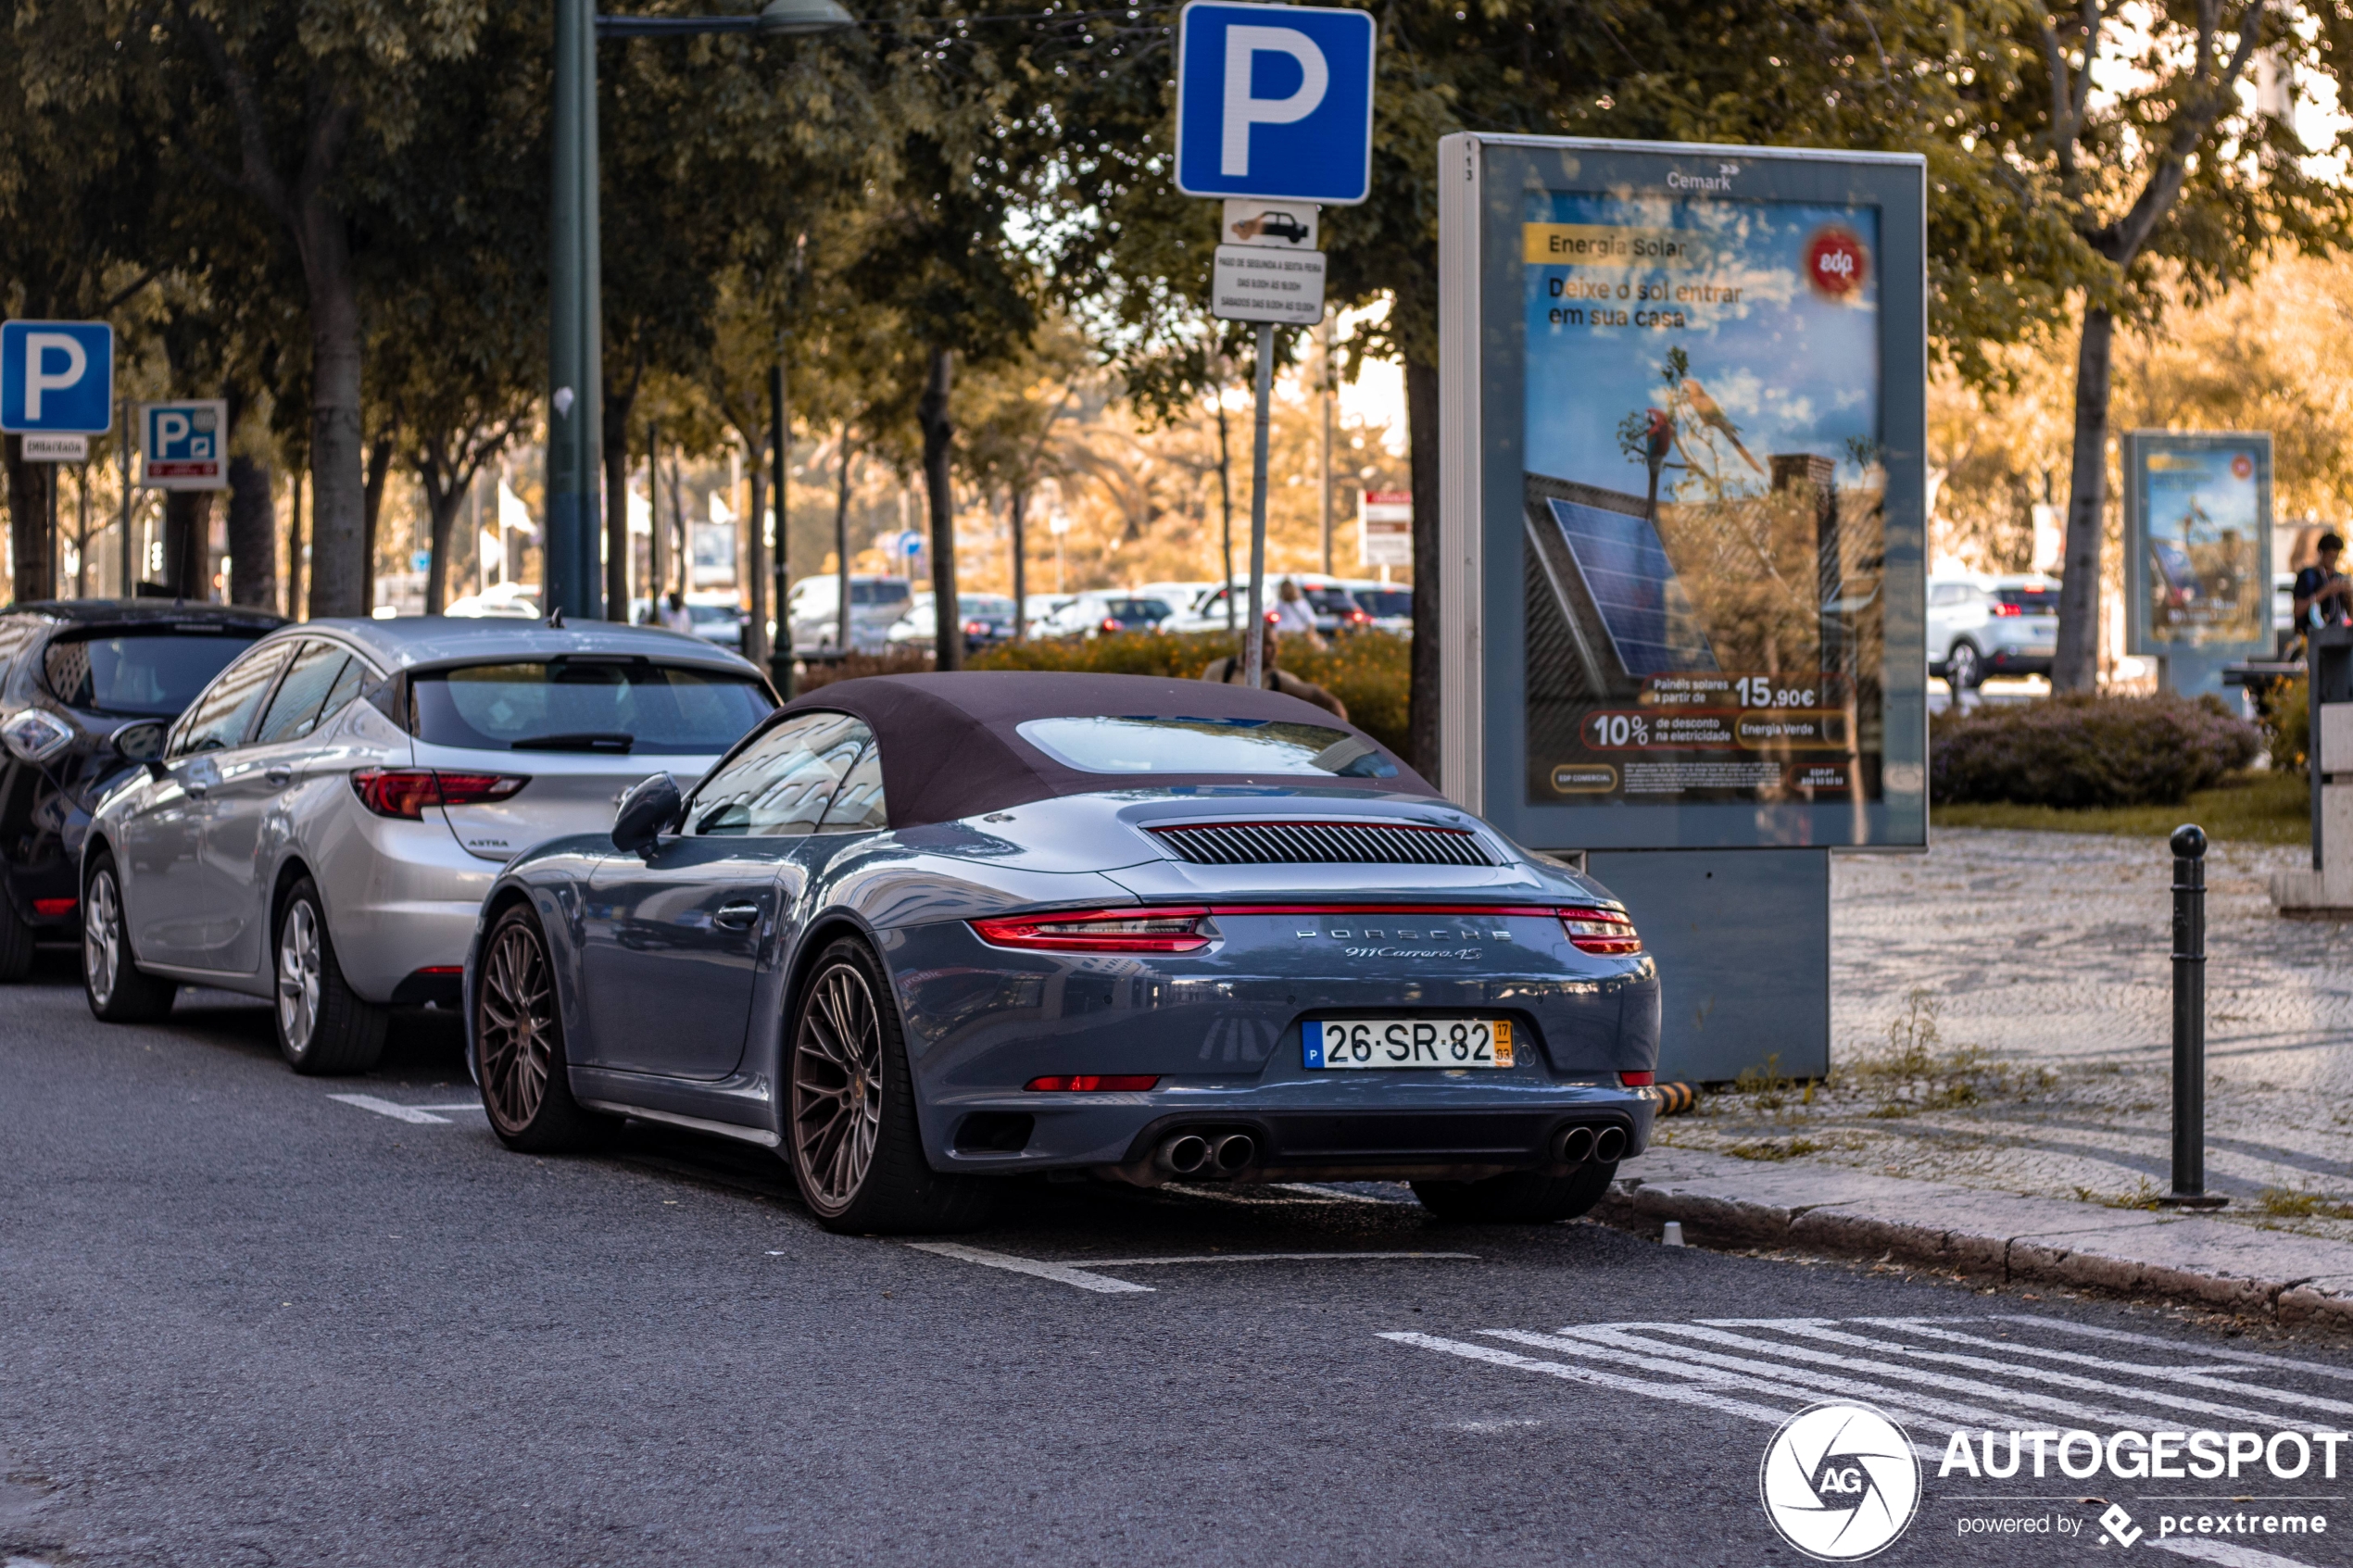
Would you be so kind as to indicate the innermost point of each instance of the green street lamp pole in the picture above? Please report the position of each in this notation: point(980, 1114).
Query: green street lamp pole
point(575, 326)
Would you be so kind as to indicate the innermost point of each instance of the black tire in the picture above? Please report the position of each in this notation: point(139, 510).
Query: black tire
point(324, 1028)
point(1964, 667)
point(519, 1044)
point(15, 942)
point(849, 1129)
point(118, 991)
point(1523, 1197)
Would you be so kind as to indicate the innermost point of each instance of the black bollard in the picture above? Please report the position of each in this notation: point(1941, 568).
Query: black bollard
point(2189, 1023)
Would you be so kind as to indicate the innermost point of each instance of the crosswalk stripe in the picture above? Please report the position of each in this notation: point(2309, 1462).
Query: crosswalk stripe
point(2245, 1357)
point(1673, 1393)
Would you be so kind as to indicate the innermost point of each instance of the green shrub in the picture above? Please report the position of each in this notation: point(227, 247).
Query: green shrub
point(2075, 751)
point(1369, 671)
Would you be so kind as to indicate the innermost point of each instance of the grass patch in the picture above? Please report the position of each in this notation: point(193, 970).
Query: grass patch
point(2295, 1203)
point(1773, 1148)
point(2250, 807)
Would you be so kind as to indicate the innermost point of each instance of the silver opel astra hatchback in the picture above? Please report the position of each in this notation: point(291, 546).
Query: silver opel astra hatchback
point(320, 824)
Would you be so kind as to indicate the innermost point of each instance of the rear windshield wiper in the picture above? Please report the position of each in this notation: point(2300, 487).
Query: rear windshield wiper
point(614, 741)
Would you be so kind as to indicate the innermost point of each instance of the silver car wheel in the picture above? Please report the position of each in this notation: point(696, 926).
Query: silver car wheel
point(299, 976)
point(516, 1025)
point(837, 1088)
point(102, 938)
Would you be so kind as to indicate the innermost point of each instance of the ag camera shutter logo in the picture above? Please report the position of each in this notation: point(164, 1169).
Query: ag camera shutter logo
point(1840, 1482)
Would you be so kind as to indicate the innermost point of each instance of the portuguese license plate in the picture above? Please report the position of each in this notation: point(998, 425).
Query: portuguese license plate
point(1407, 1042)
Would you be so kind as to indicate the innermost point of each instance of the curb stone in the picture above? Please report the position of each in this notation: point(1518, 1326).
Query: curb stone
point(2003, 1237)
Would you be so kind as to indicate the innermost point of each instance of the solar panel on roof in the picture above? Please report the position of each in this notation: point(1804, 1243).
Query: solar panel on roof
point(1642, 605)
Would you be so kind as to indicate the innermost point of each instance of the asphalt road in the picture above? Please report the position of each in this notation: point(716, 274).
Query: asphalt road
point(242, 1322)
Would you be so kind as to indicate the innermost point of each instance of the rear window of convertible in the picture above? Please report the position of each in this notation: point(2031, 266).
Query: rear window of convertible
point(608, 704)
point(1137, 744)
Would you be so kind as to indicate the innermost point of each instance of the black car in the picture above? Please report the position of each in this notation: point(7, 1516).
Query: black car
point(74, 675)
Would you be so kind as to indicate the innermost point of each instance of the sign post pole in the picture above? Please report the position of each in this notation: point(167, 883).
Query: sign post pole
point(1254, 667)
point(129, 586)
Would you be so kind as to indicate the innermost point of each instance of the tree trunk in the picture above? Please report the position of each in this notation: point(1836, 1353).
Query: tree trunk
point(618, 548)
point(1421, 433)
point(29, 487)
point(842, 547)
point(2076, 667)
point(253, 534)
point(372, 506)
point(441, 508)
point(187, 528)
point(1224, 510)
point(939, 435)
point(340, 568)
point(1018, 510)
point(293, 552)
point(756, 646)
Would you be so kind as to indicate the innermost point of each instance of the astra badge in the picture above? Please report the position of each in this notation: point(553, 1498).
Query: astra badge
point(1840, 1482)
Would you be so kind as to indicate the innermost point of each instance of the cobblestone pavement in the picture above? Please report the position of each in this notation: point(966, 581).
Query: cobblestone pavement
point(2002, 1017)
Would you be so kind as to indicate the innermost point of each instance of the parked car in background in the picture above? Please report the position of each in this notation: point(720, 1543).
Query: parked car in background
point(511, 602)
point(924, 935)
point(76, 674)
point(321, 824)
point(1178, 596)
point(1107, 614)
point(718, 618)
point(1389, 605)
point(2283, 607)
point(813, 607)
point(1981, 626)
point(987, 619)
point(1039, 609)
point(1328, 602)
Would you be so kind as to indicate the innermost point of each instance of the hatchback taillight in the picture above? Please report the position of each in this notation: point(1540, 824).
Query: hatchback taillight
point(1601, 931)
point(406, 792)
point(1111, 625)
point(2005, 610)
point(1099, 930)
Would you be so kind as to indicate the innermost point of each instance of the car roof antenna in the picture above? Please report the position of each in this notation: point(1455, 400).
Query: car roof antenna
point(556, 617)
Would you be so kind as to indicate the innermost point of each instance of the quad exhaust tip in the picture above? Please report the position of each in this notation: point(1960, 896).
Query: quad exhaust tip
point(1581, 1146)
point(1205, 1154)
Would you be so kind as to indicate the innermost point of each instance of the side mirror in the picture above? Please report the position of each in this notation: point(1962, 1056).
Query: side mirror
point(648, 807)
point(142, 742)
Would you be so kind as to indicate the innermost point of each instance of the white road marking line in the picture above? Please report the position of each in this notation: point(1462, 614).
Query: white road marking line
point(1311, 1190)
point(1264, 1257)
point(397, 1113)
point(1673, 1393)
point(1060, 1273)
point(2229, 1553)
point(2194, 1377)
point(461, 1105)
point(1804, 1328)
point(2245, 1357)
point(1761, 1377)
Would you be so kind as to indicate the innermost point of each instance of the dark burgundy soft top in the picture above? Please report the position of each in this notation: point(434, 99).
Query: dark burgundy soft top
point(949, 750)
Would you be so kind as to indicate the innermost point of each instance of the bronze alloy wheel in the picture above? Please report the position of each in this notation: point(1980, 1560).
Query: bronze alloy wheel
point(516, 1025)
point(837, 1088)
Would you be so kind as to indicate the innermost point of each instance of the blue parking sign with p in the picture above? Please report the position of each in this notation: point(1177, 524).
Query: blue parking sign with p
point(56, 378)
point(1275, 102)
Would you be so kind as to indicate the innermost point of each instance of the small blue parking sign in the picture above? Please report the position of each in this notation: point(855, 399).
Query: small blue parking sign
point(56, 378)
point(1275, 102)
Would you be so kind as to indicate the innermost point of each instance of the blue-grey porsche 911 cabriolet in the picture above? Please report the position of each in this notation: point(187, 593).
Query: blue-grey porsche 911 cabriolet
point(923, 933)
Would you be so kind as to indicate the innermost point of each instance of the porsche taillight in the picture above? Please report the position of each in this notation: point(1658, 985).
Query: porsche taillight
point(1594, 930)
point(406, 792)
point(1099, 930)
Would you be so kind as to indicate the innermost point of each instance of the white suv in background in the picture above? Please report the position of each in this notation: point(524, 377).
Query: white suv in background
point(813, 607)
point(320, 824)
point(1981, 626)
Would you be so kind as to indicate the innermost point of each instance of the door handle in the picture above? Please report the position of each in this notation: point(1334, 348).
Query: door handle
point(734, 917)
point(278, 775)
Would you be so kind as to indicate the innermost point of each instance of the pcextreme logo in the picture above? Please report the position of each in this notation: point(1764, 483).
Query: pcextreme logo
point(1840, 1482)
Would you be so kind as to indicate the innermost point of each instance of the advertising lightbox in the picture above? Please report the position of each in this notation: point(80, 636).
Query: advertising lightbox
point(1685, 539)
point(2197, 544)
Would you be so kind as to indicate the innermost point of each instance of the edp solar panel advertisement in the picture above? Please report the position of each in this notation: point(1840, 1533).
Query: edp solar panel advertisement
point(1708, 365)
point(2197, 538)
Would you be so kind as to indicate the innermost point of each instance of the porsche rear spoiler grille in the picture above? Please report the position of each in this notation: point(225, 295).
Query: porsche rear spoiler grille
point(1379, 844)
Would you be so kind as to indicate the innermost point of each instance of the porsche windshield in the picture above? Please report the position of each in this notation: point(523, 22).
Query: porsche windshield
point(1135, 745)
